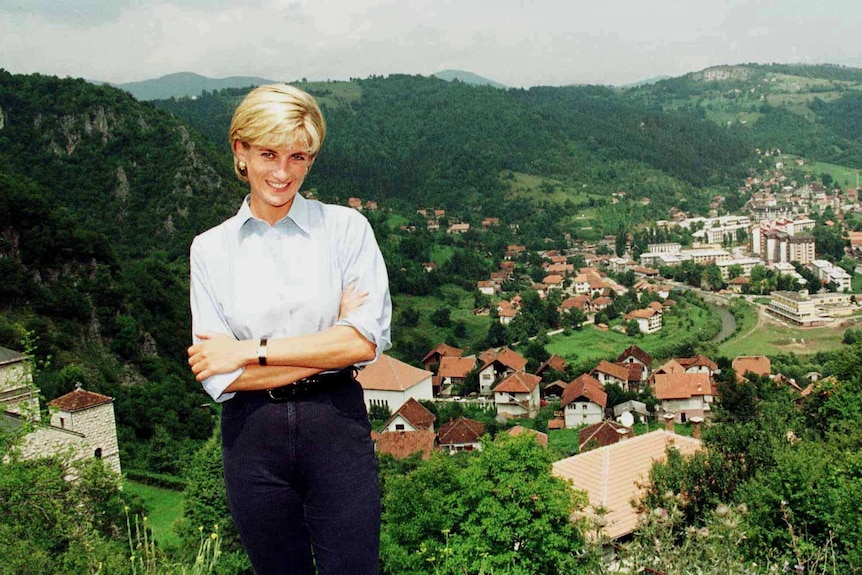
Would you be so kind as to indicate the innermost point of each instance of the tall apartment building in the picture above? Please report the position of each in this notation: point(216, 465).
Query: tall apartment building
point(783, 241)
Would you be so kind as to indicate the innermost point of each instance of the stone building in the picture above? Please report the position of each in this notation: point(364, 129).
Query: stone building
point(82, 423)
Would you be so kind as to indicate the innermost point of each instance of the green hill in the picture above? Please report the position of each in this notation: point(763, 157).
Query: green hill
point(186, 85)
point(809, 111)
point(467, 78)
point(423, 141)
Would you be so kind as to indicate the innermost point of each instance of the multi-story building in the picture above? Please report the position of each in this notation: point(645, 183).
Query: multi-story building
point(718, 230)
point(830, 273)
point(745, 263)
point(783, 240)
point(705, 255)
point(797, 307)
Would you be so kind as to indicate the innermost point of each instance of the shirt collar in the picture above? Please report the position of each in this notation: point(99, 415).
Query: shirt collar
point(298, 214)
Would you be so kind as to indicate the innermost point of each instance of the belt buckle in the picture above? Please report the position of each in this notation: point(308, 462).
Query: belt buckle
point(280, 394)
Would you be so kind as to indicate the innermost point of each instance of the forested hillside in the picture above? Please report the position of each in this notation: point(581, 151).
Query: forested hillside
point(419, 141)
point(100, 197)
point(810, 111)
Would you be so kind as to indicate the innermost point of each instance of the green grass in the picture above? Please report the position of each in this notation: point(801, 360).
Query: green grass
point(527, 185)
point(841, 175)
point(591, 344)
point(460, 304)
point(856, 283)
point(441, 254)
point(775, 339)
point(163, 506)
point(563, 441)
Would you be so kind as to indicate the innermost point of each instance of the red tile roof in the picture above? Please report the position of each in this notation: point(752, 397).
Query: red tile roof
point(585, 386)
point(505, 356)
point(613, 476)
point(456, 366)
point(78, 400)
point(556, 424)
point(612, 369)
point(518, 382)
point(756, 364)
point(682, 385)
point(697, 361)
point(401, 444)
point(443, 350)
point(541, 438)
point(637, 353)
point(461, 430)
point(603, 433)
point(390, 374)
point(554, 362)
point(417, 414)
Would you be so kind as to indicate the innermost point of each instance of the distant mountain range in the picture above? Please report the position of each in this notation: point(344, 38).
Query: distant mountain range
point(190, 85)
point(186, 85)
point(467, 78)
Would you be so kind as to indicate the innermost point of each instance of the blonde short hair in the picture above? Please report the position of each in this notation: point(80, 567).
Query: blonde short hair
point(277, 115)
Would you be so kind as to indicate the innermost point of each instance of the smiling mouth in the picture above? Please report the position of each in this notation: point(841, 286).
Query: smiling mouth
point(277, 186)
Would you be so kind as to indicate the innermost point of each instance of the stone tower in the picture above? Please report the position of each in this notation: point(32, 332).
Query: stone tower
point(91, 415)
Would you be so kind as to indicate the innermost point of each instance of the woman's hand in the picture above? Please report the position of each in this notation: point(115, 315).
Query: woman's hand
point(351, 300)
point(220, 353)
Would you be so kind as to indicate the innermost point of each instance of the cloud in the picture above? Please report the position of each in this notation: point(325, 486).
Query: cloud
point(516, 42)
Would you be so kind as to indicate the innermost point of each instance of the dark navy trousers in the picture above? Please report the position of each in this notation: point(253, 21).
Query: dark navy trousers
point(302, 483)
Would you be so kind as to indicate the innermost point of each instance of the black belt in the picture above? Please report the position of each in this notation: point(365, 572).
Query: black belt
point(311, 385)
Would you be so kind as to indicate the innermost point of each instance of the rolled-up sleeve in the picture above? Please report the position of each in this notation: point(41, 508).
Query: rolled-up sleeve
point(207, 317)
point(365, 269)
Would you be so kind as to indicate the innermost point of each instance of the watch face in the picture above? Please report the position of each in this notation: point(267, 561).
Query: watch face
point(261, 352)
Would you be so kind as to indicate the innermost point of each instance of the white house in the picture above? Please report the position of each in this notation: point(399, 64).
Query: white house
point(389, 383)
point(412, 416)
point(649, 320)
point(496, 365)
point(518, 395)
point(583, 402)
point(684, 395)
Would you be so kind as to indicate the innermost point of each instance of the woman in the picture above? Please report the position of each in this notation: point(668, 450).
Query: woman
point(287, 297)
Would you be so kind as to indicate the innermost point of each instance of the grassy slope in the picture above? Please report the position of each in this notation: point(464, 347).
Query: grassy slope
point(591, 344)
point(164, 507)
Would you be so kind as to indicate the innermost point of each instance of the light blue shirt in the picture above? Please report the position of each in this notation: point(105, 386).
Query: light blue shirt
point(253, 280)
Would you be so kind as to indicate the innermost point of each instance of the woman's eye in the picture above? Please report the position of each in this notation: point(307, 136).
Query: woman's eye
point(299, 157)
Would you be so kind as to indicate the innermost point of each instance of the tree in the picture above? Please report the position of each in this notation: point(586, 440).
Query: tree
point(575, 318)
point(441, 317)
point(205, 501)
point(535, 353)
point(499, 511)
point(829, 242)
point(633, 328)
point(712, 278)
point(497, 335)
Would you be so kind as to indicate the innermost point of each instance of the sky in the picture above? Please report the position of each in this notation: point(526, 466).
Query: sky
point(518, 43)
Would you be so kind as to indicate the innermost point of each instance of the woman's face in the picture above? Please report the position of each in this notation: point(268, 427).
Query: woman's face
point(275, 175)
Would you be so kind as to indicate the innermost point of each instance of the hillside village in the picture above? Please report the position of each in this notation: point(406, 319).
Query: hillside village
point(772, 233)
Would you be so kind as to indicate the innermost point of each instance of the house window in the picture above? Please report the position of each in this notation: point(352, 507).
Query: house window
point(584, 406)
point(399, 427)
point(98, 453)
point(63, 422)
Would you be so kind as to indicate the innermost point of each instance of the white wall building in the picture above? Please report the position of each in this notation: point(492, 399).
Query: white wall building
point(389, 383)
